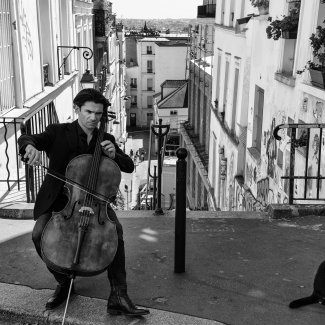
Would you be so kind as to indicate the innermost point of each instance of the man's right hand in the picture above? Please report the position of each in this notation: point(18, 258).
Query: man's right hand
point(32, 155)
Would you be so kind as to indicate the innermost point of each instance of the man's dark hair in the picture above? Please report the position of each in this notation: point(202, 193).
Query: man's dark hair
point(90, 95)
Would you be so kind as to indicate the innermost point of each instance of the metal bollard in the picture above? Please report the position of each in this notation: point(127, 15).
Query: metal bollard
point(180, 211)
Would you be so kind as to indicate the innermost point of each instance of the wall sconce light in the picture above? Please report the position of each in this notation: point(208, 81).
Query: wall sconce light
point(87, 80)
point(87, 77)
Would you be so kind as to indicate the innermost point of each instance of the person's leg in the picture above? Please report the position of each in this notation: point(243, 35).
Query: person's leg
point(63, 280)
point(119, 301)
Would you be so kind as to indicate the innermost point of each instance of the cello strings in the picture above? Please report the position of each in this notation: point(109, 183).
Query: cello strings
point(93, 176)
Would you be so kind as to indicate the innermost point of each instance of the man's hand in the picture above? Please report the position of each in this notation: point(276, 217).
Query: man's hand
point(32, 155)
point(108, 148)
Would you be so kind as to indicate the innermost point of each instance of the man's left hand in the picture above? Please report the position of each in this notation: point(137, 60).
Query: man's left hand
point(108, 148)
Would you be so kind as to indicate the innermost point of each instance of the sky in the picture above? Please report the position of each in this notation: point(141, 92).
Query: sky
point(146, 9)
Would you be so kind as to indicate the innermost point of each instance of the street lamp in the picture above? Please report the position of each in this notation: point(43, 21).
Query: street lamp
point(87, 79)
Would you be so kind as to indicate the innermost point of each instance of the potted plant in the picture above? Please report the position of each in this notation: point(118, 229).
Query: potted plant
point(317, 69)
point(262, 6)
point(286, 27)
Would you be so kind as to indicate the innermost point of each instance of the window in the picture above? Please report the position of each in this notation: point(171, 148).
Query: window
point(258, 118)
point(149, 49)
point(234, 103)
point(225, 89)
point(7, 99)
point(289, 45)
point(218, 81)
point(149, 118)
point(134, 101)
point(149, 66)
point(149, 101)
point(149, 84)
point(133, 83)
point(214, 160)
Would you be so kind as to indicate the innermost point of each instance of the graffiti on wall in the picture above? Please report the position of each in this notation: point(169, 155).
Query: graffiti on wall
point(250, 174)
point(246, 201)
point(263, 191)
point(271, 150)
point(26, 33)
point(315, 146)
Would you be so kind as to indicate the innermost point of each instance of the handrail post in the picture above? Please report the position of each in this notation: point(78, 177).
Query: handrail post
point(292, 165)
point(154, 188)
point(180, 211)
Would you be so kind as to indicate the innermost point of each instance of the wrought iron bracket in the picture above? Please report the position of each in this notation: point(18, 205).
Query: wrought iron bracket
point(87, 54)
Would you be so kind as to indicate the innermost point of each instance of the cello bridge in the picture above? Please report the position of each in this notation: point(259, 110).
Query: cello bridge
point(88, 209)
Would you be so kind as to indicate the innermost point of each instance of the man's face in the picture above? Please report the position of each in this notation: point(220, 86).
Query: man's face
point(89, 115)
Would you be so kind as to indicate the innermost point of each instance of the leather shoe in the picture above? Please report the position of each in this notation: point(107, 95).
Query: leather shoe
point(119, 303)
point(59, 296)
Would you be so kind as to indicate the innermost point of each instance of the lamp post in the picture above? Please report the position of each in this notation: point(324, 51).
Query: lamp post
point(160, 134)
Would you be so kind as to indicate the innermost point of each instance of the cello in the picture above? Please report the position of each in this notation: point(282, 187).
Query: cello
point(81, 240)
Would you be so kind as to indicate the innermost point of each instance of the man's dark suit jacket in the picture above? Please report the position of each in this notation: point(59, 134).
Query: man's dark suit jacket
point(60, 142)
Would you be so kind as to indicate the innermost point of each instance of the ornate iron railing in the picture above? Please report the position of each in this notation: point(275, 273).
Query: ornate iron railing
point(32, 122)
point(304, 174)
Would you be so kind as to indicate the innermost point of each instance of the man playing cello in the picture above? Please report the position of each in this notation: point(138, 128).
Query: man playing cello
point(62, 143)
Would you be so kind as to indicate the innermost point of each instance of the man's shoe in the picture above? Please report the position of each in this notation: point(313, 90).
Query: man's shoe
point(119, 303)
point(59, 296)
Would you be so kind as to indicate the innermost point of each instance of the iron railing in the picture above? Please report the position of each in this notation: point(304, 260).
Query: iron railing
point(304, 174)
point(31, 122)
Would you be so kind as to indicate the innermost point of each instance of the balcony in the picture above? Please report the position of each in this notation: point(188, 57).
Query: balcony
point(188, 131)
point(206, 11)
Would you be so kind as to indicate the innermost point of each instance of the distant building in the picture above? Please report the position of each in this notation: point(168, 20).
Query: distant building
point(149, 62)
point(195, 132)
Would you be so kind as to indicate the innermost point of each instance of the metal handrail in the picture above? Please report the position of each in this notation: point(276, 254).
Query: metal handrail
point(303, 140)
point(33, 121)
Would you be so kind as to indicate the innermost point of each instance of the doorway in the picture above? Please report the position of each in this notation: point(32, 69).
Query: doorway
point(133, 119)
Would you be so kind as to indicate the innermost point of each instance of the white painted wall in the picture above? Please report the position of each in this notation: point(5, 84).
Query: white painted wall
point(170, 64)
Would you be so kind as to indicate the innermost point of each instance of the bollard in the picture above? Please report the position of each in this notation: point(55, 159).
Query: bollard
point(180, 211)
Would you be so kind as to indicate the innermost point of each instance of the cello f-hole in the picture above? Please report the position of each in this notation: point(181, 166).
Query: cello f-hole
point(72, 211)
point(98, 218)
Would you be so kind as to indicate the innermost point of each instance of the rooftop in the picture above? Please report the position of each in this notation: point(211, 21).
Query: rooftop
point(173, 83)
point(176, 99)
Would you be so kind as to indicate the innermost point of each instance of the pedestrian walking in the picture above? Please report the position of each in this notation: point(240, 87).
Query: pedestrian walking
point(131, 153)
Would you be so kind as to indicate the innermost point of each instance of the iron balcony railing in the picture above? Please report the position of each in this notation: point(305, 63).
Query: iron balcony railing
point(188, 129)
point(32, 122)
point(305, 171)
